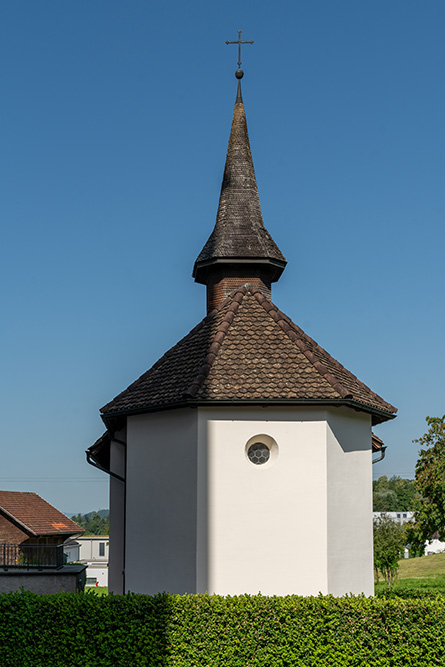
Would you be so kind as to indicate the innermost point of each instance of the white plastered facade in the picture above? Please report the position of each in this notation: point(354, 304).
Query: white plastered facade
point(201, 517)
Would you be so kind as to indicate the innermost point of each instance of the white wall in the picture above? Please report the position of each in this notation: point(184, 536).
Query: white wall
point(201, 517)
point(255, 522)
point(90, 548)
point(434, 546)
point(161, 502)
point(97, 572)
point(349, 478)
point(117, 516)
point(71, 550)
point(260, 518)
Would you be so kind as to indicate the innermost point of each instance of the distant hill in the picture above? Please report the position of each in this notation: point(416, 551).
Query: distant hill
point(101, 513)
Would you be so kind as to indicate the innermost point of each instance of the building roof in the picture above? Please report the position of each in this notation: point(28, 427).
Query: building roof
point(35, 515)
point(247, 351)
point(377, 444)
point(239, 232)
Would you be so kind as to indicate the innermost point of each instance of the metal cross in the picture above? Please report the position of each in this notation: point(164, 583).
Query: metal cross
point(239, 41)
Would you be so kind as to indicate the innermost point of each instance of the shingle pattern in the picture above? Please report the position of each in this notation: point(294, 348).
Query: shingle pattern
point(36, 514)
point(246, 349)
point(239, 230)
point(377, 443)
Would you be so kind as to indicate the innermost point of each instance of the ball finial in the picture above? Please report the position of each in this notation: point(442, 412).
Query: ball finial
point(239, 73)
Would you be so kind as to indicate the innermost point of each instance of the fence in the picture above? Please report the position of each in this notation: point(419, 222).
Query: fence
point(30, 556)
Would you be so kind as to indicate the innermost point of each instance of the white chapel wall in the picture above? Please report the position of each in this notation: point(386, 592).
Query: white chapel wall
point(117, 518)
point(255, 522)
point(161, 502)
point(349, 467)
point(201, 517)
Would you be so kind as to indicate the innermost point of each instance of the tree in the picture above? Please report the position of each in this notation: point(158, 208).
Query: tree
point(429, 515)
point(389, 544)
point(393, 495)
point(93, 523)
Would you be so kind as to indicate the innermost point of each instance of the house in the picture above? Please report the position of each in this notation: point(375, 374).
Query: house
point(71, 550)
point(399, 517)
point(434, 546)
point(244, 436)
point(32, 534)
point(93, 551)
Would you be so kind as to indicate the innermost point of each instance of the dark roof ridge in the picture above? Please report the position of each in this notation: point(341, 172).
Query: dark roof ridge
point(293, 331)
point(235, 297)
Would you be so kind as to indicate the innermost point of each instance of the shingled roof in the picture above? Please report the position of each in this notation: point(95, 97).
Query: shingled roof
point(247, 351)
point(239, 232)
point(35, 515)
point(377, 443)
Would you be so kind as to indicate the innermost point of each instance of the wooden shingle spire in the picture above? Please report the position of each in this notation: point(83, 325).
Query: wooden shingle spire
point(240, 249)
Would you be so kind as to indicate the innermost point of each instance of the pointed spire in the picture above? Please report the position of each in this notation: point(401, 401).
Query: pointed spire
point(239, 97)
point(239, 236)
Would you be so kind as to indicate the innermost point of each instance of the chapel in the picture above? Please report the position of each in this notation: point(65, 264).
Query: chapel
point(240, 462)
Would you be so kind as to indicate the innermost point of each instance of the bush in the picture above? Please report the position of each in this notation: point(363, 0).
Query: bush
point(200, 630)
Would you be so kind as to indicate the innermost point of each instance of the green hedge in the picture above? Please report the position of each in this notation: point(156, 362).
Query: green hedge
point(181, 631)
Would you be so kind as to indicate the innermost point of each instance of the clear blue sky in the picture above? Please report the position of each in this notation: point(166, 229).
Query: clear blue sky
point(114, 128)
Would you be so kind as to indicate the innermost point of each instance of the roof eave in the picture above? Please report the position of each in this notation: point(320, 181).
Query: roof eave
point(378, 416)
point(274, 266)
point(60, 532)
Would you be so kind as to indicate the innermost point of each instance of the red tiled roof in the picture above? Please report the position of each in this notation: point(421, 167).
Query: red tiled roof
point(35, 514)
point(247, 350)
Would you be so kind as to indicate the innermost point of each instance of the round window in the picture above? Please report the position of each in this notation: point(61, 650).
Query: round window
point(258, 453)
